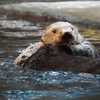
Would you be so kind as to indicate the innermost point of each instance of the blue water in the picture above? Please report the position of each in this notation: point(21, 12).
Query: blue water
point(35, 85)
point(46, 85)
point(40, 85)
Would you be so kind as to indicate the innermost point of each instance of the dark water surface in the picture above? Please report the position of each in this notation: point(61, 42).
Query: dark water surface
point(16, 35)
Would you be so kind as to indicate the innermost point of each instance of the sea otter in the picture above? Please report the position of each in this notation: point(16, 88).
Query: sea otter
point(58, 39)
point(64, 32)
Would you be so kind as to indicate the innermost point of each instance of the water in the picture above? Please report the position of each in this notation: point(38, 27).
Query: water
point(37, 85)
point(16, 35)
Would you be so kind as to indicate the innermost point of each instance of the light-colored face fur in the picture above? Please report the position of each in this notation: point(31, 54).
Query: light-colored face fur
point(61, 32)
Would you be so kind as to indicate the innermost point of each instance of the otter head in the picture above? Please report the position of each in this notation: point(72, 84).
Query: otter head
point(61, 32)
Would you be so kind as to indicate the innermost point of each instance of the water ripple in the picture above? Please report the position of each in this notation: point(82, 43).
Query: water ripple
point(39, 85)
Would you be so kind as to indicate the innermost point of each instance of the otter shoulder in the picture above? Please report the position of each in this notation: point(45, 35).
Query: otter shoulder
point(20, 60)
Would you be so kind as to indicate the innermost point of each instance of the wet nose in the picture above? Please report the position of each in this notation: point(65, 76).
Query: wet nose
point(67, 36)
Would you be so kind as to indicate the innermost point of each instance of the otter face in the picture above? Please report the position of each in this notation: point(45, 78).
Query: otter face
point(61, 32)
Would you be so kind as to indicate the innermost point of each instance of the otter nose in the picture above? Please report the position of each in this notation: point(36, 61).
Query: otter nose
point(67, 36)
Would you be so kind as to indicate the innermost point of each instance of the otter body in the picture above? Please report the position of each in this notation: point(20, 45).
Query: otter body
point(60, 39)
point(46, 59)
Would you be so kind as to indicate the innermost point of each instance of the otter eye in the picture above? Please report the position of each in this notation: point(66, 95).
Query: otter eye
point(72, 28)
point(54, 31)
